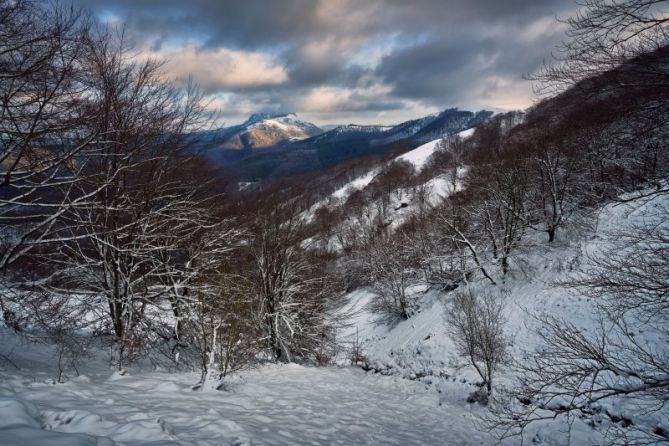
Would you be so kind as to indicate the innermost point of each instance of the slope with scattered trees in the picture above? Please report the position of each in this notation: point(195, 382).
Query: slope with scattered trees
point(116, 234)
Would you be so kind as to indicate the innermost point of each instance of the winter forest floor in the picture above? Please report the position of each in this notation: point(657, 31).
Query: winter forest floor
point(273, 405)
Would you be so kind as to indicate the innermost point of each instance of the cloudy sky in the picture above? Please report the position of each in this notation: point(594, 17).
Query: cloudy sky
point(341, 61)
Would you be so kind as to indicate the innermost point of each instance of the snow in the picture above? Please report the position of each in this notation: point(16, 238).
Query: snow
point(421, 349)
point(440, 186)
point(403, 202)
point(357, 184)
point(415, 394)
point(287, 123)
point(273, 405)
point(340, 195)
point(419, 156)
point(467, 133)
point(20, 426)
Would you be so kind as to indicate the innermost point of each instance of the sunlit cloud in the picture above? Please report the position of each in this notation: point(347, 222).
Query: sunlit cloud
point(222, 69)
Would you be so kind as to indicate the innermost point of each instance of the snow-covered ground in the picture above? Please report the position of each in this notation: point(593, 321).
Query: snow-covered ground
point(421, 349)
point(273, 405)
point(419, 156)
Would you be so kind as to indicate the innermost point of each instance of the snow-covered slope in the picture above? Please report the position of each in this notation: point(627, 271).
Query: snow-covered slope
point(357, 184)
point(419, 156)
point(439, 187)
point(421, 347)
point(414, 393)
point(403, 203)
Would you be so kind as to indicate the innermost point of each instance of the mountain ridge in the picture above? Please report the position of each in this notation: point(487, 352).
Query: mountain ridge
point(278, 145)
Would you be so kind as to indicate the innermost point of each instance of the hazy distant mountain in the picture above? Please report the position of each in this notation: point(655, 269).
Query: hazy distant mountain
point(349, 131)
point(347, 142)
point(282, 145)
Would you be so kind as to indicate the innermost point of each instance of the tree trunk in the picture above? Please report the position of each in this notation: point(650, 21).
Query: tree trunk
point(551, 235)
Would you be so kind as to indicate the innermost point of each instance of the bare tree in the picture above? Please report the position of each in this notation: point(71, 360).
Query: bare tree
point(465, 234)
point(614, 58)
point(44, 120)
point(555, 178)
point(624, 358)
point(438, 261)
point(191, 263)
point(476, 324)
point(219, 321)
point(289, 291)
point(501, 206)
point(616, 51)
point(447, 159)
point(136, 201)
point(390, 184)
point(392, 268)
point(604, 35)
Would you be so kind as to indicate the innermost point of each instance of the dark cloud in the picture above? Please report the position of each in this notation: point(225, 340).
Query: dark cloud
point(239, 24)
point(384, 55)
point(447, 68)
point(463, 12)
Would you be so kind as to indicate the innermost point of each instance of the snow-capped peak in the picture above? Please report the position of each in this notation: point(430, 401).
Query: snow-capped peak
point(261, 116)
point(287, 122)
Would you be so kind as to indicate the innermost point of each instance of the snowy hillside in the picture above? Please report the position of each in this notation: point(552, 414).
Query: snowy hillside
point(465, 278)
point(414, 394)
point(422, 349)
point(419, 156)
point(403, 202)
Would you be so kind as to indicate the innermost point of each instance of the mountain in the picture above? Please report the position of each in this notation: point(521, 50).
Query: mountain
point(449, 122)
point(263, 130)
point(347, 142)
point(349, 131)
point(267, 145)
point(419, 130)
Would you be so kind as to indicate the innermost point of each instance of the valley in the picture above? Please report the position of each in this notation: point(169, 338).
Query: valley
point(423, 275)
